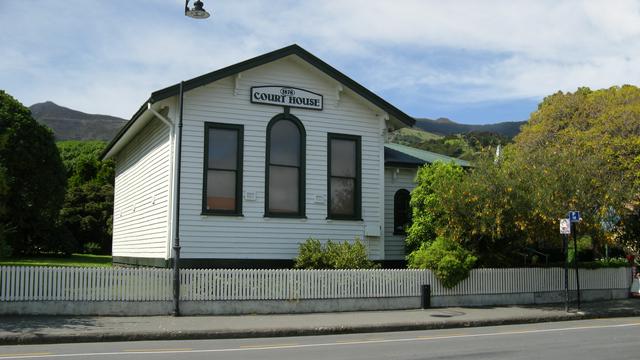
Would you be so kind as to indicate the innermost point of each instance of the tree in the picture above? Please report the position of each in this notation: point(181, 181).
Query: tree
point(428, 216)
point(583, 149)
point(34, 180)
point(88, 204)
point(487, 212)
point(579, 151)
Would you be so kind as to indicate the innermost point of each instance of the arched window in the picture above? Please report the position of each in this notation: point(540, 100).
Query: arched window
point(285, 171)
point(401, 211)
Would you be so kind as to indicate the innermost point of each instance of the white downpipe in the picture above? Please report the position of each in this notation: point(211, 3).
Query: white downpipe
point(172, 176)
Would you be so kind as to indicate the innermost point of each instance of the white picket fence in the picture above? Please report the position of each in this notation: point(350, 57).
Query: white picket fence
point(84, 284)
point(300, 284)
point(145, 284)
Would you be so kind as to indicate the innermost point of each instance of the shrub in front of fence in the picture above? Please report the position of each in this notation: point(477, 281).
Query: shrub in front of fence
point(313, 255)
point(450, 262)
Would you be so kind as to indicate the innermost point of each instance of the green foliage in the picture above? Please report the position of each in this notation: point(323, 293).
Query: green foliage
point(426, 202)
point(32, 181)
point(88, 204)
point(312, 255)
point(627, 231)
point(579, 151)
point(583, 245)
point(611, 263)
point(348, 256)
point(449, 261)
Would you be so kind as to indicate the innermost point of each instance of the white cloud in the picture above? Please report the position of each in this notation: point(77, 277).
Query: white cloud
point(107, 56)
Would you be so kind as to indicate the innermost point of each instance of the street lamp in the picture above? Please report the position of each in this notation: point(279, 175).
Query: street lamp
point(198, 11)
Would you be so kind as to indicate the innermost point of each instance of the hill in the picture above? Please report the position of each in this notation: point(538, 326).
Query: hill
point(444, 127)
point(411, 136)
point(69, 124)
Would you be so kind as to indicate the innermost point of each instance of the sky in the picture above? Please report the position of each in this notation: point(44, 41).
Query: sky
point(471, 61)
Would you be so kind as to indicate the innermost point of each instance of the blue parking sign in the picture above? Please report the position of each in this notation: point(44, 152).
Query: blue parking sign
point(574, 216)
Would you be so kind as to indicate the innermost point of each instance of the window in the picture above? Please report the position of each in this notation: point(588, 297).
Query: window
point(401, 211)
point(222, 169)
point(344, 177)
point(285, 171)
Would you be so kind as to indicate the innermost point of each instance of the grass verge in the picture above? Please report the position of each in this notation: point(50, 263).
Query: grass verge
point(81, 260)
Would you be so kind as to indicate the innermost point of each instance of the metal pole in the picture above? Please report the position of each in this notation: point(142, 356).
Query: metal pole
point(565, 251)
point(176, 242)
point(575, 257)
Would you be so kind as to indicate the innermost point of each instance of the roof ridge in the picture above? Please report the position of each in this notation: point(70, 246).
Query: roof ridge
point(293, 49)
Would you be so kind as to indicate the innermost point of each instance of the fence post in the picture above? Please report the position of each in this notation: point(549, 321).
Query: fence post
point(425, 295)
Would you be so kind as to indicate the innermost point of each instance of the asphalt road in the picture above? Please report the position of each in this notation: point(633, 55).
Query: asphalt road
point(609, 339)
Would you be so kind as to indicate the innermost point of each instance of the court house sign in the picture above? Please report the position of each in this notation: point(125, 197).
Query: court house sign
point(286, 96)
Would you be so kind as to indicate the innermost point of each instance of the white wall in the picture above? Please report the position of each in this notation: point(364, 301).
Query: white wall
point(253, 236)
point(394, 180)
point(140, 211)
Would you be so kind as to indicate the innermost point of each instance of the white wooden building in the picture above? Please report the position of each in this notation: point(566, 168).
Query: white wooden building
point(273, 150)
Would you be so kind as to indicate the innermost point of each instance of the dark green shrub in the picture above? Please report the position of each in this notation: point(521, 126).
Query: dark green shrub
point(5, 249)
point(450, 262)
point(312, 255)
point(32, 179)
point(91, 248)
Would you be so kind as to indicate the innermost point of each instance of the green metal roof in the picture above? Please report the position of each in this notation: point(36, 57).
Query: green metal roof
point(425, 156)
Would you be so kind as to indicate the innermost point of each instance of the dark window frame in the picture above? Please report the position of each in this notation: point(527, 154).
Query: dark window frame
point(358, 180)
point(301, 213)
point(239, 168)
point(395, 212)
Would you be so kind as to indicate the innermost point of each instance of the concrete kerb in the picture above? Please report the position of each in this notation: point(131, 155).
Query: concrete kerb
point(42, 338)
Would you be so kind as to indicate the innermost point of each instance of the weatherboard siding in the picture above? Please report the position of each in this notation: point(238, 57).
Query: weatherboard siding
point(252, 236)
point(140, 216)
point(403, 179)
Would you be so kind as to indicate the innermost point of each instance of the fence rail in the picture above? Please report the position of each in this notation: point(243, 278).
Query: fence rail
point(143, 284)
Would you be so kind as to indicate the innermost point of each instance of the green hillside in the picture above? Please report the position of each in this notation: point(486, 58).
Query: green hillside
point(411, 136)
point(466, 146)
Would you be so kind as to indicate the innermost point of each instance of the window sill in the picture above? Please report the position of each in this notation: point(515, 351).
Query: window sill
point(344, 219)
point(284, 216)
point(204, 213)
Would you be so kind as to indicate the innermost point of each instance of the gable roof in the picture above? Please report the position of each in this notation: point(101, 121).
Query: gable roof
point(401, 155)
point(261, 60)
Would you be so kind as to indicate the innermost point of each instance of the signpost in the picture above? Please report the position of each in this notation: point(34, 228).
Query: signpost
point(565, 230)
point(574, 217)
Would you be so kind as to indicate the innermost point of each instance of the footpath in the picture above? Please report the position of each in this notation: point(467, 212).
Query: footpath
point(64, 329)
